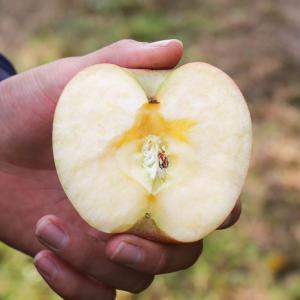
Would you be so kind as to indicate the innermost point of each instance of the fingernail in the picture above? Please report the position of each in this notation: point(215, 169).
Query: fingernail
point(51, 235)
point(164, 43)
point(128, 254)
point(45, 266)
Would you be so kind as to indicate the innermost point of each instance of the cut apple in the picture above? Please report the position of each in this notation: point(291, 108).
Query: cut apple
point(162, 154)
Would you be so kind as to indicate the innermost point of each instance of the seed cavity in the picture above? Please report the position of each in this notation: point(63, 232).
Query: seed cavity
point(155, 160)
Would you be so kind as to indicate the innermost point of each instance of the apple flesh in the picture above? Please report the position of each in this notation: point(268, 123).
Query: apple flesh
point(162, 154)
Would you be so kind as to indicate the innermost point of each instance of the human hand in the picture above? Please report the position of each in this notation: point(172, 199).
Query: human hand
point(30, 188)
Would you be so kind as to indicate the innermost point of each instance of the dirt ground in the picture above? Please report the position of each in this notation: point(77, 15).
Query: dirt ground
point(255, 42)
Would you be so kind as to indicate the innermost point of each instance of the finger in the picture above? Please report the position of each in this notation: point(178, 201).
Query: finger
point(87, 255)
point(38, 91)
point(233, 216)
point(150, 257)
point(68, 283)
point(125, 53)
point(133, 54)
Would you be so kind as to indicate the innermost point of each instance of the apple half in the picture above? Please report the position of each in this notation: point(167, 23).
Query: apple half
point(161, 154)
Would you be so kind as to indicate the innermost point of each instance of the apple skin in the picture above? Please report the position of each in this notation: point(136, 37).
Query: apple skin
point(147, 229)
point(152, 83)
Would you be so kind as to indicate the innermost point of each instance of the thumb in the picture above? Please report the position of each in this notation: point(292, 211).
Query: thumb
point(163, 54)
point(28, 100)
point(125, 53)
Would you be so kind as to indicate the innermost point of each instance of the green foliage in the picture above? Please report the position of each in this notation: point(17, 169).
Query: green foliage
point(19, 279)
point(149, 26)
point(116, 6)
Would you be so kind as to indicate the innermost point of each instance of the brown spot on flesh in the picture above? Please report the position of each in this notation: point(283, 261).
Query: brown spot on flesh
point(152, 100)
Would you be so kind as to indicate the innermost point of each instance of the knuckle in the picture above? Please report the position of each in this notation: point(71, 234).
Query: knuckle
point(161, 263)
point(124, 42)
point(71, 292)
point(121, 44)
point(84, 260)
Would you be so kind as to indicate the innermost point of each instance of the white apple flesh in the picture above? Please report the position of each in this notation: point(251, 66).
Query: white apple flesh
point(162, 154)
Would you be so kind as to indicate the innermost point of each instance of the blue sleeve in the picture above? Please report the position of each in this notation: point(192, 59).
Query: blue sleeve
point(6, 68)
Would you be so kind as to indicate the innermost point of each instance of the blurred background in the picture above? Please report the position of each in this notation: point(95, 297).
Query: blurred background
point(257, 43)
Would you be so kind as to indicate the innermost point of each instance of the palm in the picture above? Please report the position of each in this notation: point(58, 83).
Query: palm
point(37, 192)
point(27, 172)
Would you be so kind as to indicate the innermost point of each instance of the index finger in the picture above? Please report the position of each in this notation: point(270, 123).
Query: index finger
point(87, 255)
